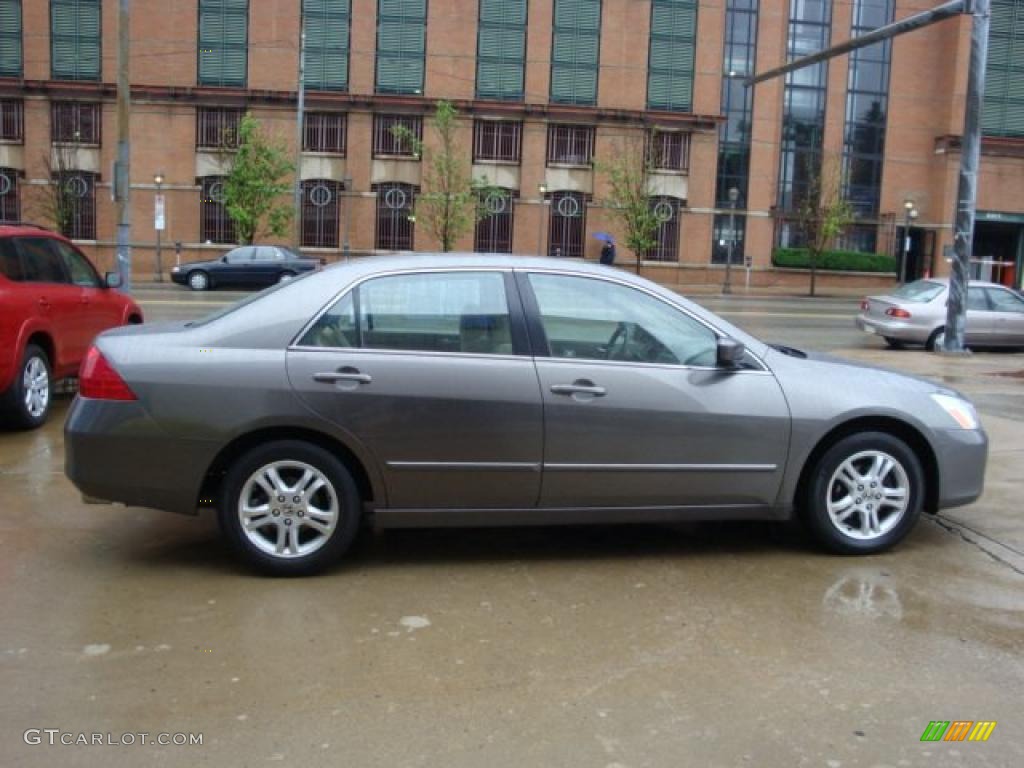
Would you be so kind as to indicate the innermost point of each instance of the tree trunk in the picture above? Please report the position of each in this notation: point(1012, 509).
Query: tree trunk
point(814, 270)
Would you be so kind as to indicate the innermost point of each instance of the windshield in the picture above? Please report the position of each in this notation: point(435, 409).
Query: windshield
point(223, 311)
point(919, 290)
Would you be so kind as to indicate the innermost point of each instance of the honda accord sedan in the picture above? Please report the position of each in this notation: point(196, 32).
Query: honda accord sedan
point(493, 390)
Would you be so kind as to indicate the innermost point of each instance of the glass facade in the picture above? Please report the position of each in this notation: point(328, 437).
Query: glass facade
point(734, 135)
point(803, 116)
point(1003, 110)
point(867, 108)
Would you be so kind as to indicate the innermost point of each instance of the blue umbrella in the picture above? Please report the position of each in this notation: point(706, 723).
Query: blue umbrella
point(604, 237)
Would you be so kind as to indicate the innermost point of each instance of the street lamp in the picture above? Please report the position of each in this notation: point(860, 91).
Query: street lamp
point(542, 189)
point(158, 222)
point(910, 214)
point(734, 196)
point(346, 184)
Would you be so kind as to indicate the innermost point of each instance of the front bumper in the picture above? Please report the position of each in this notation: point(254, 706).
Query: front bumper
point(962, 455)
point(892, 328)
point(113, 451)
point(180, 277)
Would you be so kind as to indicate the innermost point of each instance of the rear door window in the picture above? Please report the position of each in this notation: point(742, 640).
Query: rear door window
point(976, 300)
point(10, 264)
point(1004, 301)
point(40, 261)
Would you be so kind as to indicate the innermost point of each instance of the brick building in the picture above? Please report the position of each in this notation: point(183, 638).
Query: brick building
point(546, 89)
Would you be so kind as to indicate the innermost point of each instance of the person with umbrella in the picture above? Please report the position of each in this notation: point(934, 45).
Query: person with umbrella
point(608, 249)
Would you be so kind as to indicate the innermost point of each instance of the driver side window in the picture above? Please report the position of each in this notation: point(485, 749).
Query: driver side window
point(590, 319)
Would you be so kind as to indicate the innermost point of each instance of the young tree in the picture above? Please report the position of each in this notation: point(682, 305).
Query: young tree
point(449, 201)
point(257, 184)
point(55, 202)
point(823, 214)
point(629, 194)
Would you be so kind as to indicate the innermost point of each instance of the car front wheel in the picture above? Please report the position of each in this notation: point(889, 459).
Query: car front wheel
point(289, 508)
point(29, 396)
point(864, 494)
point(198, 281)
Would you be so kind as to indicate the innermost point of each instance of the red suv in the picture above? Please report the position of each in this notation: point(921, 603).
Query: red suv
point(52, 305)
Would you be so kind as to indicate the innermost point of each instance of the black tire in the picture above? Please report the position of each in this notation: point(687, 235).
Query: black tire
point(14, 400)
point(199, 280)
point(814, 504)
point(933, 340)
point(339, 481)
point(892, 343)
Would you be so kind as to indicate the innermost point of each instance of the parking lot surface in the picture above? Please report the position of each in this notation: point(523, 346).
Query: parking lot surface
point(710, 645)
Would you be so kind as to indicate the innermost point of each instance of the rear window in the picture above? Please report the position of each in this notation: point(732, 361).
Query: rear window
point(10, 266)
point(919, 290)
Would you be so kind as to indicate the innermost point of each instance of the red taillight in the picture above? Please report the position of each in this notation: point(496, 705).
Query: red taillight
point(865, 305)
point(98, 379)
point(897, 312)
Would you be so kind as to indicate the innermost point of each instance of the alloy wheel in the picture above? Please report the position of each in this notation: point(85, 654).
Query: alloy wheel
point(868, 495)
point(36, 387)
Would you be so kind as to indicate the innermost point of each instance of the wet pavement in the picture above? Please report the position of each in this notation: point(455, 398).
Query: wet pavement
point(708, 645)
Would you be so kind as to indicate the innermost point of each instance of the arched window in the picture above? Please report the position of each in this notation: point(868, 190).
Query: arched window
point(494, 228)
point(9, 195)
point(567, 224)
point(666, 210)
point(215, 226)
point(77, 206)
point(321, 200)
point(394, 207)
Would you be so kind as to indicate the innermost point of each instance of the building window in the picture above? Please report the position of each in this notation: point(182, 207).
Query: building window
point(1002, 113)
point(803, 118)
point(75, 122)
point(401, 45)
point(324, 132)
point(497, 140)
point(570, 144)
point(12, 120)
point(667, 211)
point(386, 143)
point(669, 151)
point(575, 51)
point(734, 135)
point(223, 42)
point(728, 231)
point(494, 225)
point(394, 207)
point(215, 226)
point(867, 107)
point(79, 195)
point(327, 26)
point(10, 38)
point(670, 60)
point(320, 206)
point(501, 50)
point(217, 127)
point(9, 209)
point(567, 224)
point(75, 43)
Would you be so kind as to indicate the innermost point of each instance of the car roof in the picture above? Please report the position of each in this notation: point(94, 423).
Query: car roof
point(945, 281)
point(406, 261)
point(22, 229)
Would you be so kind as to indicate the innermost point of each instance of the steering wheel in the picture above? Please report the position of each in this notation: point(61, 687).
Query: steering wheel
point(622, 336)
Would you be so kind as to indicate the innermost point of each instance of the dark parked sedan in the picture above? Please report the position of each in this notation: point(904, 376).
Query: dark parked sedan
point(448, 390)
point(254, 266)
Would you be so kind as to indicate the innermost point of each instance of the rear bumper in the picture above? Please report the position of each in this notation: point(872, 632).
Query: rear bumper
point(894, 329)
point(962, 455)
point(113, 451)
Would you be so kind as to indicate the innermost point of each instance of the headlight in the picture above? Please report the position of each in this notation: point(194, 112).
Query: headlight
point(175, 269)
point(961, 411)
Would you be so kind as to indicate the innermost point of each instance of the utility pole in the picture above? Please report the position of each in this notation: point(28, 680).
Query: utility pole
point(122, 176)
point(299, 134)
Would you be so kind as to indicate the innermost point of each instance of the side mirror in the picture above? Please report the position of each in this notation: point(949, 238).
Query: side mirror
point(224, 258)
point(729, 353)
point(112, 280)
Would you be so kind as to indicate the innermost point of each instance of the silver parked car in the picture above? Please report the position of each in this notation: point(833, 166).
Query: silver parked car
point(493, 390)
point(916, 313)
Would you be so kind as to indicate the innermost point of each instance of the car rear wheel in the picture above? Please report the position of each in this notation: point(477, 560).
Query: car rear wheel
point(198, 281)
point(30, 394)
point(289, 508)
point(936, 340)
point(864, 494)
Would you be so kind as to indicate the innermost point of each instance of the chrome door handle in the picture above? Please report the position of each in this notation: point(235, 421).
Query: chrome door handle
point(336, 376)
point(578, 388)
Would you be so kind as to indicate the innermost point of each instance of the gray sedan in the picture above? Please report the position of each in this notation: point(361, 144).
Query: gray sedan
point(472, 390)
point(916, 313)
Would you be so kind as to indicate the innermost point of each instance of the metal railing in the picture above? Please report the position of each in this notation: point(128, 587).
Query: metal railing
point(324, 132)
point(497, 140)
point(217, 127)
point(12, 120)
point(75, 122)
point(385, 142)
point(570, 144)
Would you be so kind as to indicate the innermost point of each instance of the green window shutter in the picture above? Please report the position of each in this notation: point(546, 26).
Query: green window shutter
point(10, 38)
point(575, 51)
point(223, 42)
point(401, 45)
point(670, 65)
point(327, 43)
point(1002, 112)
point(75, 52)
point(501, 50)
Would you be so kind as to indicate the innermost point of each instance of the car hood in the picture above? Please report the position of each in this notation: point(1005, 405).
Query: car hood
point(200, 264)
